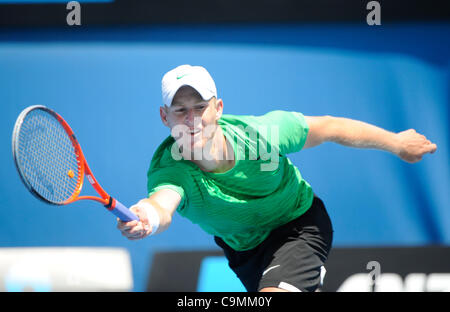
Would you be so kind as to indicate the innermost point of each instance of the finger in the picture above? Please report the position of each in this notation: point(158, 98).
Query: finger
point(128, 236)
point(137, 229)
point(140, 231)
point(427, 149)
point(132, 223)
point(134, 236)
point(131, 237)
point(119, 223)
point(415, 159)
point(129, 225)
point(433, 148)
point(148, 230)
point(138, 235)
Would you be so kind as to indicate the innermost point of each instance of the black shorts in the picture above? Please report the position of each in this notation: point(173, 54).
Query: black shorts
point(292, 257)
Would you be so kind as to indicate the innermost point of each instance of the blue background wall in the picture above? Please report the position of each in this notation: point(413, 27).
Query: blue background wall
point(106, 84)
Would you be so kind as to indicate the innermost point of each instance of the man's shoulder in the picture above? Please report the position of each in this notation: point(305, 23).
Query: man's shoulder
point(271, 117)
point(165, 155)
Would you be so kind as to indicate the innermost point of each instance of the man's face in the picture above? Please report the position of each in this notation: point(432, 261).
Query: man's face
point(192, 120)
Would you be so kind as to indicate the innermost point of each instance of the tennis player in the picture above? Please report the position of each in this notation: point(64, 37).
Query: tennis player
point(230, 175)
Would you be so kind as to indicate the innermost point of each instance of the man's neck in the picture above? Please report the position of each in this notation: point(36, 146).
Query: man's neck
point(220, 155)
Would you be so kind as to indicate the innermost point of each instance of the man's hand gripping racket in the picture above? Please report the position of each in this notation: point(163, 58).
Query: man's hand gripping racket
point(51, 163)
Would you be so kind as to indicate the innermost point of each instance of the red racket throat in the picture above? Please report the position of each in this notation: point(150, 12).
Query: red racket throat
point(83, 169)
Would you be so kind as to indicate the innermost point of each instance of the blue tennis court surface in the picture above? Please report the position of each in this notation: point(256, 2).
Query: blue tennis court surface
point(215, 275)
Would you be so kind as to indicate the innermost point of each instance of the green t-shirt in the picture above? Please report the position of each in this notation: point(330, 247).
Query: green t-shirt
point(261, 192)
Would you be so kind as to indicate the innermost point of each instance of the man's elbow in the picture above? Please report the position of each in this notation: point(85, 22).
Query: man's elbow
point(320, 130)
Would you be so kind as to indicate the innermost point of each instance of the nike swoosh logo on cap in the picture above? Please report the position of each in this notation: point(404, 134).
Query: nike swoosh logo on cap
point(179, 77)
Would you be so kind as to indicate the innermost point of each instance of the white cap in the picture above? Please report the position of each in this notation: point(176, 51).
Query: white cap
point(196, 77)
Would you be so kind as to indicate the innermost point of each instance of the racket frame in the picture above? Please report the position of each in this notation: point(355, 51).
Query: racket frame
point(83, 168)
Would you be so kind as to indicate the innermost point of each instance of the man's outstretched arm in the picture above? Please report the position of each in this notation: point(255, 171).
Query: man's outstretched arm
point(408, 145)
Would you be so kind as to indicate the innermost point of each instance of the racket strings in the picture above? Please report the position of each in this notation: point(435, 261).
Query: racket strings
point(47, 156)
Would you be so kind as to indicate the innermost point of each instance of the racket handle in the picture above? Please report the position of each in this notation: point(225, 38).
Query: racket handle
point(121, 211)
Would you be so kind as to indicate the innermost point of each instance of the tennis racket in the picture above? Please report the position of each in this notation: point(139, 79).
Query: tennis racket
point(51, 163)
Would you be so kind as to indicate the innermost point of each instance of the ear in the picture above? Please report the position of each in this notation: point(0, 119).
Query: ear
point(163, 114)
point(219, 109)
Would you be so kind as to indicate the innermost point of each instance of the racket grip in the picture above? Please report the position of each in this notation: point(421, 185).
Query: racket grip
point(122, 212)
